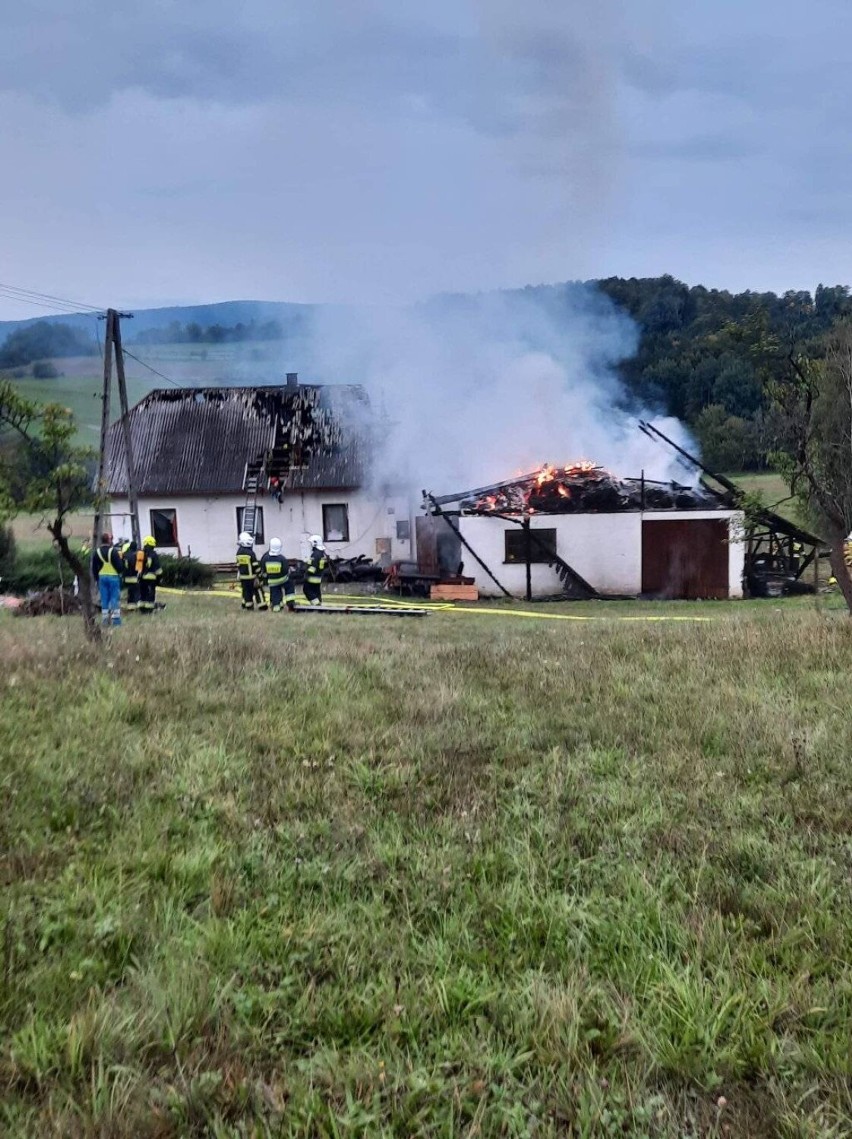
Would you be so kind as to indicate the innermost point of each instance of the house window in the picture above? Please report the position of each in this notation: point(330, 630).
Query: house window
point(164, 527)
point(403, 531)
point(335, 523)
point(542, 545)
point(259, 535)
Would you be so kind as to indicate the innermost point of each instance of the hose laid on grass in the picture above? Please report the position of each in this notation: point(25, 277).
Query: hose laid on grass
point(448, 607)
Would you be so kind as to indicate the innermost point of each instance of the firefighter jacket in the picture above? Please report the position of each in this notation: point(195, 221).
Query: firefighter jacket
point(275, 568)
point(128, 556)
point(107, 560)
point(316, 564)
point(248, 567)
point(151, 570)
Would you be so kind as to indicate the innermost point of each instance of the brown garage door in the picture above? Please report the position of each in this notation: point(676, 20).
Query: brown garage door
point(685, 559)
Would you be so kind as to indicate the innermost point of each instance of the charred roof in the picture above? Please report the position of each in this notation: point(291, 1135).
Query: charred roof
point(581, 488)
point(199, 440)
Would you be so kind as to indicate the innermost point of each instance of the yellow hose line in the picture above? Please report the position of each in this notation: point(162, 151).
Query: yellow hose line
point(446, 607)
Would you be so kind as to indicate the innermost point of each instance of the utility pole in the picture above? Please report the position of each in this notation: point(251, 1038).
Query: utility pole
point(112, 345)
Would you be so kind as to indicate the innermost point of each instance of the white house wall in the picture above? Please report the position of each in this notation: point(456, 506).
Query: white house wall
point(207, 527)
point(605, 549)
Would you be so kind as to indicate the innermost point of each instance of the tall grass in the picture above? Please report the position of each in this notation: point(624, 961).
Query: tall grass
point(454, 877)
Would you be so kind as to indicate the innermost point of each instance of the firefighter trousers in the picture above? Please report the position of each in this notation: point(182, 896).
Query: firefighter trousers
point(147, 596)
point(277, 595)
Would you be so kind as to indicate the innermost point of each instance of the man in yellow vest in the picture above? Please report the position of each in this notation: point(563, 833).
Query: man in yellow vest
point(107, 570)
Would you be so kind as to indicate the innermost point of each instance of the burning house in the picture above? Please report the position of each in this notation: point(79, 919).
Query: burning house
point(285, 461)
point(581, 531)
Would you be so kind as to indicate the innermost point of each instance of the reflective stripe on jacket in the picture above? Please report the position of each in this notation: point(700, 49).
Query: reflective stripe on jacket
point(247, 564)
point(316, 565)
point(276, 567)
point(151, 568)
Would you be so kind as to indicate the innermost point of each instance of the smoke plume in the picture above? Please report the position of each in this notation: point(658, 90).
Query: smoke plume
point(473, 390)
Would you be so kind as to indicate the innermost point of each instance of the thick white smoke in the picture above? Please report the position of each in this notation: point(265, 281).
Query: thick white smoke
point(478, 389)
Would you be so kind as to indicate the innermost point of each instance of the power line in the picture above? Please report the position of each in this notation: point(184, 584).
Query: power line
point(150, 369)
point(32, 296)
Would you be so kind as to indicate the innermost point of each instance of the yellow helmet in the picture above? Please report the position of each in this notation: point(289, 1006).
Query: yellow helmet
point(148, 541)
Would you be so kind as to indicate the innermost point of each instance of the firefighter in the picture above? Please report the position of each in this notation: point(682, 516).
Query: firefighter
point(108, 570)
point(317, 562)
point(250, 573)
point(150, 572)
point(131, 575)
point(276, 571)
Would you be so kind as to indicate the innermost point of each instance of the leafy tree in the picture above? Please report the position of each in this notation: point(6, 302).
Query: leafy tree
point(811, 400)
point(728, 442)
point(42, 341)
point(59, 481)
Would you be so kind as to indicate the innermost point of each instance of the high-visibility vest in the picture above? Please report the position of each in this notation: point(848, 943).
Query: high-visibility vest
point(108, 567)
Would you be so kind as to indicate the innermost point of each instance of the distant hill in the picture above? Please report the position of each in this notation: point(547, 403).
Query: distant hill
point(228, 313)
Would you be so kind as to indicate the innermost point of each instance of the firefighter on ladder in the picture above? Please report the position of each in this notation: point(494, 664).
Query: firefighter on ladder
point(317, 562)
point(150, 572)
point(276, 570)
point(250, 573)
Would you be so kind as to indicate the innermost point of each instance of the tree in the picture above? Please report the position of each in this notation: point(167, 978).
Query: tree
point(812, 404)
point(58, 483)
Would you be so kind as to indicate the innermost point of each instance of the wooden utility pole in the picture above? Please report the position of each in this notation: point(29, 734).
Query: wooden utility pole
point(112, 345)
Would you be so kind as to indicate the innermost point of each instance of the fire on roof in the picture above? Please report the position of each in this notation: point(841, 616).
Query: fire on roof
point(579, 488)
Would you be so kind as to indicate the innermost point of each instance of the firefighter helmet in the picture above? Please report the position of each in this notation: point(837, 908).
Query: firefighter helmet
point(246, 539)
point(316, 540)
point(275, 546)
point(149, 540)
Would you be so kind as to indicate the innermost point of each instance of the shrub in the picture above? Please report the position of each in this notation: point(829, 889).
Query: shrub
point(44, 370)
point(183, 572)
point(37, 569)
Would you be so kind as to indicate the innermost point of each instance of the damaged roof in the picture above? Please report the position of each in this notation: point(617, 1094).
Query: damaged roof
point(199, 440)
point(581, 488)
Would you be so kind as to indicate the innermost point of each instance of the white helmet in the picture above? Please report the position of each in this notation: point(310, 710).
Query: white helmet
point(316, 540)
point(275, 545)
point(245, 539)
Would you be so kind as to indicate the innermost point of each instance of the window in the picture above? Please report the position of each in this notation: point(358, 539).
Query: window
point(542, 545)
point(335, 523)
point(164, 527)
point(403, 531)
point(259, 535)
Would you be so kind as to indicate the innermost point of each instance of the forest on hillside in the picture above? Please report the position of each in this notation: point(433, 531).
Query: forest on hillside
point(710, 357)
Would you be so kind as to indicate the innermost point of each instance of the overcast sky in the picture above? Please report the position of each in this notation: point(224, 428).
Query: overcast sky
point(172, 151)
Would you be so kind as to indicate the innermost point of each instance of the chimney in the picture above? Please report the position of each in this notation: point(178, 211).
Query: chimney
point(292, 379)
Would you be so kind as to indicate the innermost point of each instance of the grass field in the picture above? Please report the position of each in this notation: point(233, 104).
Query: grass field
point(457, 876)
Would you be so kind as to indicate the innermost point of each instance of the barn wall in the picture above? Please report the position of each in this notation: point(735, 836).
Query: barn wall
point(207, 527)
point(605, 549)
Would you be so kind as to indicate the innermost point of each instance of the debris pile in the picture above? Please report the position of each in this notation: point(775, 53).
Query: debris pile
point(54, 602)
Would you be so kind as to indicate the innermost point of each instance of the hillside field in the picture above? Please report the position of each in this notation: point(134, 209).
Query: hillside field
point(474, 874)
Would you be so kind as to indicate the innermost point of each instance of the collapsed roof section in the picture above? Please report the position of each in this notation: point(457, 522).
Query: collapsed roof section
point(580, 488)
point(200, 440)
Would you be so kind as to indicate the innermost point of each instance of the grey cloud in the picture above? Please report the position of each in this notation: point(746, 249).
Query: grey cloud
point(699, 148)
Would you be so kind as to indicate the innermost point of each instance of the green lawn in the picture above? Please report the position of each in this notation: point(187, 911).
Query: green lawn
point(467, 875)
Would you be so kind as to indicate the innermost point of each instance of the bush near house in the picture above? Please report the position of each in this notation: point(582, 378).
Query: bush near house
point(186, 572)
point(34, 569)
